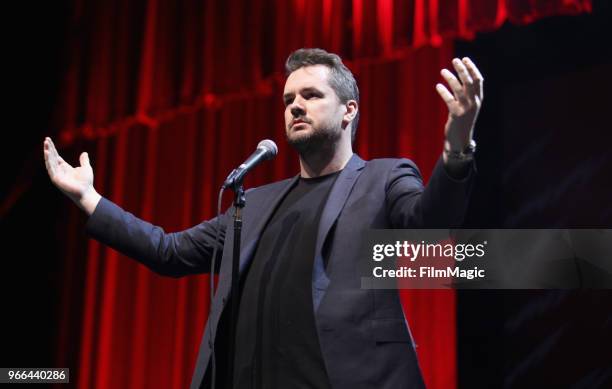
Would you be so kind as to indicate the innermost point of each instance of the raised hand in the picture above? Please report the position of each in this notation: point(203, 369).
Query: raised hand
point(74, 182)
point(463, 103)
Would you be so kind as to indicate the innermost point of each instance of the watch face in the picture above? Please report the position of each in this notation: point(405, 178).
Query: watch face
point(471, 147)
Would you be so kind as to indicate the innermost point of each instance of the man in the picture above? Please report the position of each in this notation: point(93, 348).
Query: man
point(303, 320)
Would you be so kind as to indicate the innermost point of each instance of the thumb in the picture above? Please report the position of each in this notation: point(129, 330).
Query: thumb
point(84, 159)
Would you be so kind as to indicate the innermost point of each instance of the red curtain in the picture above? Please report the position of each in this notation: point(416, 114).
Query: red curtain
point(167, 97)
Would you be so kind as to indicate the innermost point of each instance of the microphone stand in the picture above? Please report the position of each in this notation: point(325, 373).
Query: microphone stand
point(239, 203)
point(266, 149)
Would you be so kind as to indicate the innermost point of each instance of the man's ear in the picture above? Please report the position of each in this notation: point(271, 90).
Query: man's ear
point(351, 111)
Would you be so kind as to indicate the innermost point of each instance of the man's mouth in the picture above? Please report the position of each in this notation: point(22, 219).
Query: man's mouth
point(297, 122)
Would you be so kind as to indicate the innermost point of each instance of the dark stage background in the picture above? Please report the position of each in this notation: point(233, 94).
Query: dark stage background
point(158, 92)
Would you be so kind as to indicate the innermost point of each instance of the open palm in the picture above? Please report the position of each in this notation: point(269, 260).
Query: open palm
point(73, 181)
point(463, 103)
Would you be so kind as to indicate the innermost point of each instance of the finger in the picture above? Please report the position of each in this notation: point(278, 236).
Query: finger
point(52, 150)
point(463, 73)
point(455, 86)
point(57, 159)
point(471, 67)
point(47, 147)
point(476, 76)
point(50, 156)
point(47, 164)
point(445, 94)
point(84, 159)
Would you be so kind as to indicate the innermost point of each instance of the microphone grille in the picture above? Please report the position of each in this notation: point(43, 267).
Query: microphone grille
point(269, 146)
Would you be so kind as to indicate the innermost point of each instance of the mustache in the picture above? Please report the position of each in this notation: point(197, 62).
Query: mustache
point(302, 119)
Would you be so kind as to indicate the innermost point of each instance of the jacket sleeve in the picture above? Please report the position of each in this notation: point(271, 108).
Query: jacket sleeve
point(171, 254)
point(441, 204)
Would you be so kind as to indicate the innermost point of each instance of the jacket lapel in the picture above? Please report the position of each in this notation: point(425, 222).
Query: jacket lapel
point(335, 202)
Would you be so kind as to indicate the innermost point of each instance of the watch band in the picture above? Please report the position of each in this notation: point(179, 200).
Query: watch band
point(465, 155)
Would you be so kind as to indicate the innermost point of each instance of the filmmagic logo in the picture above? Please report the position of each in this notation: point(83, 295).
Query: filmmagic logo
point(429, 272)
point(438, 254)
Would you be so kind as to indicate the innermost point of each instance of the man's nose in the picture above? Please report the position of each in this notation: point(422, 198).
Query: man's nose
point(297, 110)
point(297, 106)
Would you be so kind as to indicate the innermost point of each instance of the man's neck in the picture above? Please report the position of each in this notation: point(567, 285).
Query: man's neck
point(323, 162)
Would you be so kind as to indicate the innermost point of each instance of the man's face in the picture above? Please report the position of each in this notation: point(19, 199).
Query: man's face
point(313, 111)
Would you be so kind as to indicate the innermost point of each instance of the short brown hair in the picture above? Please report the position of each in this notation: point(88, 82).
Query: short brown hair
point(341, 79)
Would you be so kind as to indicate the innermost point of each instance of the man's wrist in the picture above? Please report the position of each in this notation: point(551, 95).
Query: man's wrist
point(457, 160)
point(463, 153)
point(89, 201)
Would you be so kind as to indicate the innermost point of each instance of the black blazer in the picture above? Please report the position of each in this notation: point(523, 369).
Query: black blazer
point(364, 337)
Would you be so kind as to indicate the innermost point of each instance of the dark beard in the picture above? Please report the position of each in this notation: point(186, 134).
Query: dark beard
point(315, 142)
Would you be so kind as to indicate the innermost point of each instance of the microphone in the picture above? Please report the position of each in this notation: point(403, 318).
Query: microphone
point(266, 149)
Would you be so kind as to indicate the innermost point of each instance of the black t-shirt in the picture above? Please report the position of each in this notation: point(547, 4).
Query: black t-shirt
point(277, 345)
